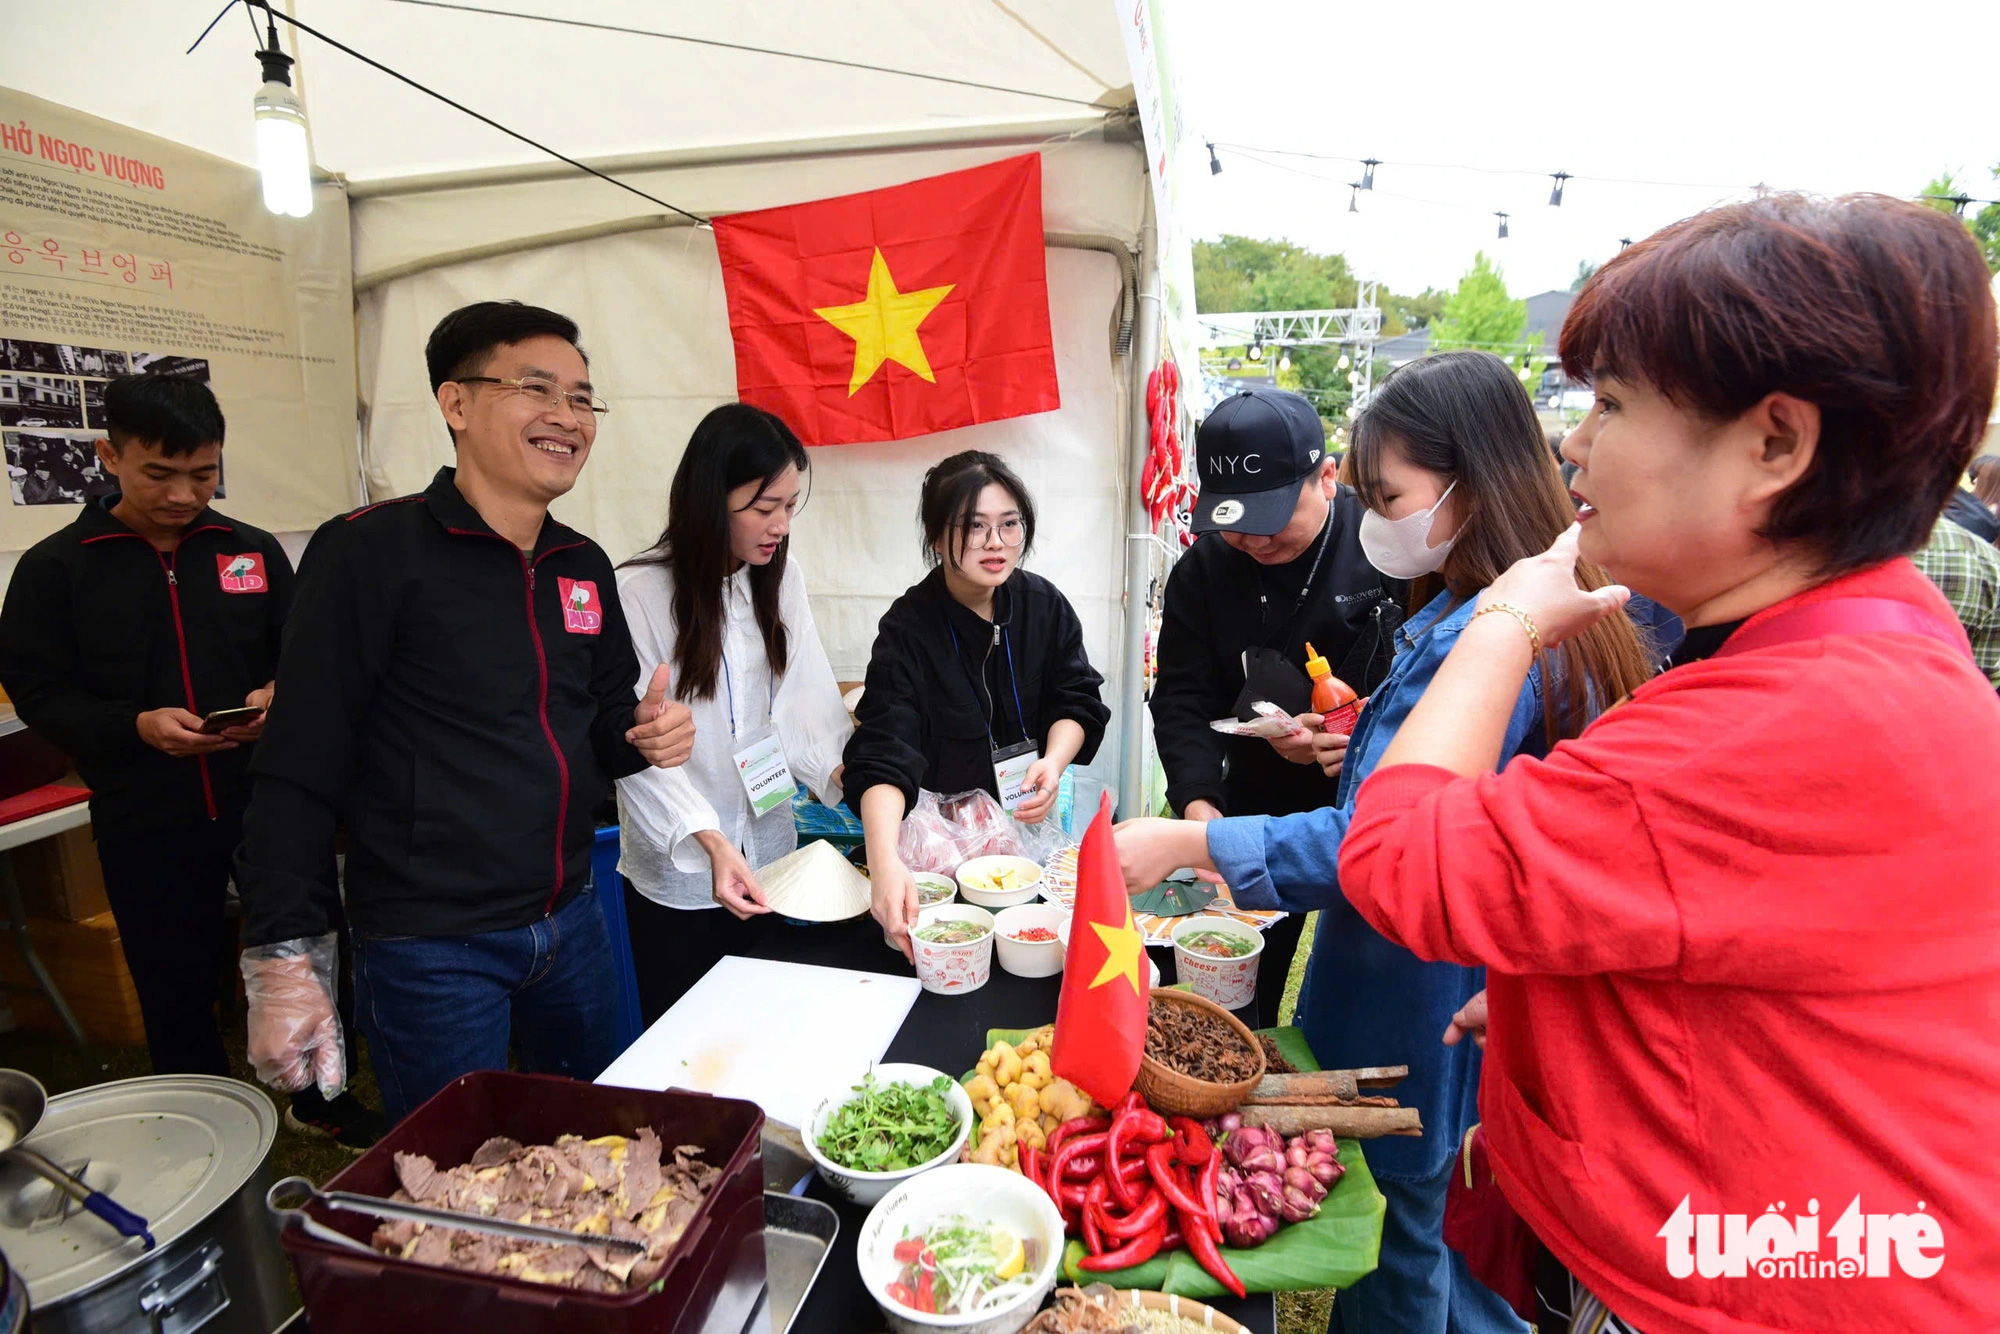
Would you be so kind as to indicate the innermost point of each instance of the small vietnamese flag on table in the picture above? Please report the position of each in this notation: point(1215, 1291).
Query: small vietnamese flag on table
point(896, 312)
point(1101, 1018)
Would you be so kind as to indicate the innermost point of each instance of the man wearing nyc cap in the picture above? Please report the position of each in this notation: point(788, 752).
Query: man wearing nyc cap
point(1278, 565)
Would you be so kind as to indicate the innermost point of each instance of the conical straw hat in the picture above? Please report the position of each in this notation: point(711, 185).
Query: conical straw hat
point(815, 884)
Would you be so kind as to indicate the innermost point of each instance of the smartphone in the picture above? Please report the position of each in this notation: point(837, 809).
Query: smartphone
point(214, 723)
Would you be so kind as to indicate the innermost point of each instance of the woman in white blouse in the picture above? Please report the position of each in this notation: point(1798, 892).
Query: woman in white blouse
point(717, 599)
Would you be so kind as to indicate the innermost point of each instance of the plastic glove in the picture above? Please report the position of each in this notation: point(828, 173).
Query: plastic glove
point(294, 1029)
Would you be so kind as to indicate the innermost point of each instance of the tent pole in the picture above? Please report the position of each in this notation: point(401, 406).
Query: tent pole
point(1138, 531)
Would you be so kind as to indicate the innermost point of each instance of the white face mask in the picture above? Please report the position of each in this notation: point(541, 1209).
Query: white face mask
point(1400, 548)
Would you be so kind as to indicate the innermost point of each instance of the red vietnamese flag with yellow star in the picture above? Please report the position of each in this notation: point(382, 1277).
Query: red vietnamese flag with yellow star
point(1101, 1018)
point(896, 312)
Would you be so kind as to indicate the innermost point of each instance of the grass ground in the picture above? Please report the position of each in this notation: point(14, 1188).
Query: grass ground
point(56, 1062)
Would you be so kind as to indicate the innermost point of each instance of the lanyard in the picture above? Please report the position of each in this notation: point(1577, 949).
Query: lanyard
point(1305, 590)
point(1013, 680)
point(770, 708)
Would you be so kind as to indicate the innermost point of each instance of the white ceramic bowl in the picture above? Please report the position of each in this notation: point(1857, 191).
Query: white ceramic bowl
point(993, 1194)
point(1230, 983)
point(931, 883)
point(969, 890)
point(1062, 936)
point(868, 1187)
point(1029, 958)
point(950, 970)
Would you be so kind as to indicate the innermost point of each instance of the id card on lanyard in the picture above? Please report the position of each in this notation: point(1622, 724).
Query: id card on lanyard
point(761, 764)
point(1010, 763)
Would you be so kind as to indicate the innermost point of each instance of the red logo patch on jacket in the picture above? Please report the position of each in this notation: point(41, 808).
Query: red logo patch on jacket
point(242, 574)
point(583, 614)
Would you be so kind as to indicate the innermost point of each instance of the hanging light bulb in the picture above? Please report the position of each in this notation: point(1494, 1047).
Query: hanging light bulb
point(1368, 165)
point(1214, 162)
point(283, 159)
point(1556, 195)
point(1624, 241)
point(1343, 363)
point(1353, 196)
point(1503, 223)
point(1256, 351)
point(1284, 361)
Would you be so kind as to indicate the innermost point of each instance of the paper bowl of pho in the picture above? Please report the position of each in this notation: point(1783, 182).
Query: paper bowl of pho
point(998, 881)
point(933, 889)
point(965, 1247)
point(1025, 938)
point(873, 1133)
point(1217, 957)
point(953, 944)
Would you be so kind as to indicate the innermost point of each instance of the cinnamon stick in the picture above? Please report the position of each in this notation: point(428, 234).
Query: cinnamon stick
point(1352, 1122)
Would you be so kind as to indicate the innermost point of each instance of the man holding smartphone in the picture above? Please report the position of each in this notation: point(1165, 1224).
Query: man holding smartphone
point(121, 635)
point(459, 688)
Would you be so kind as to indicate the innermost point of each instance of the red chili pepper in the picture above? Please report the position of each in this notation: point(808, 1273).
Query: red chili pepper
point(927, 1290)
point(1151, 1210)
point(1134, 1252)
point(1072, 1195)
point(1093, 1206)
point(1159, 1160)
point(908, 1249)
point(1191, 1143)
point(1031, 1163)
point(1150, 1127)
point(1173, 1240)
point(1083, 1167)
point(1202, 1247)
point(1205, 1194)
point(1133, 1168)
point(1122, 1127)
point(1077, 1126)
point(1131, 1102)
point(902, 1292)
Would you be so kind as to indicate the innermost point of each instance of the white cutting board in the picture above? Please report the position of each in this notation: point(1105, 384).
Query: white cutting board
point(782, 1035)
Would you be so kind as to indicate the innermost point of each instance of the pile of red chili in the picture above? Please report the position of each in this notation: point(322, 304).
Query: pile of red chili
point(1132, 1185)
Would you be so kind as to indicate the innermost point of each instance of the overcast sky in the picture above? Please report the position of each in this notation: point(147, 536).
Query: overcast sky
point(1822, 95)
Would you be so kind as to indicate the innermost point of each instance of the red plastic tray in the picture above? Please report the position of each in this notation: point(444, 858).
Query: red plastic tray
point(711, 1282)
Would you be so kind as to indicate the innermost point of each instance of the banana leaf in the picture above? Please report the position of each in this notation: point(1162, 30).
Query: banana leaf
point(1330, 1250)
point(1292, 1045)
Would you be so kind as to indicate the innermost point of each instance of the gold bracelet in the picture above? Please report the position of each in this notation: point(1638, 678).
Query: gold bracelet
point(1527, 621)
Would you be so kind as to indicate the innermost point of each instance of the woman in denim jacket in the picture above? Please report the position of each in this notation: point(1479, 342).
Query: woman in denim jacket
point(1459, 484)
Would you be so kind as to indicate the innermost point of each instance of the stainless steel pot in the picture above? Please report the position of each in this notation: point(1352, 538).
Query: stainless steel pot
point(191, 1154)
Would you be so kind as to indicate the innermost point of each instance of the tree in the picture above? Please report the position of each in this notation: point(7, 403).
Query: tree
point(1585, 271)
point(1984, 225)
point(1481, 315)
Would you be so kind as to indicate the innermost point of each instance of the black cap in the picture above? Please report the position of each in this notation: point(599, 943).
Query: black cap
point(1252, 456)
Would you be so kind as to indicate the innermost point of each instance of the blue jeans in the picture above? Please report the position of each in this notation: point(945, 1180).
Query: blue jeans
point(1420, 1285)
point(437, 1007)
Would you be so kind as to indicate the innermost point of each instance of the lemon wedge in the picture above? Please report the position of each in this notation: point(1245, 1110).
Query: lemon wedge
point(1013, 1256)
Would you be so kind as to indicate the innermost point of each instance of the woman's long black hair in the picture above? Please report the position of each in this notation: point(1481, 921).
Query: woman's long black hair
point(733, 445)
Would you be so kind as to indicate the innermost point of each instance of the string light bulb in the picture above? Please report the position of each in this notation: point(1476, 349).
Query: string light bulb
point(1556, 195)
point(1343, 363)
point(1368, 165)
point(1214, 162)
point(284, 161)
point(1503, 223)
point(1284, 361)
point(1353, 196)
point(1256, 350)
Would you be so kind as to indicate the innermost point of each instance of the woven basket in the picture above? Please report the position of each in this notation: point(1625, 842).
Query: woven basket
point(1170, 1091)
point(1184, 1307)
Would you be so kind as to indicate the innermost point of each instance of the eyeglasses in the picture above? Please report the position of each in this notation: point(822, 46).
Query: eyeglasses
point(1012, 532)
point(546, 394)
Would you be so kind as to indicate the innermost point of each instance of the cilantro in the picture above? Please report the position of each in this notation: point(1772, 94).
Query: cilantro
point(890, 1127)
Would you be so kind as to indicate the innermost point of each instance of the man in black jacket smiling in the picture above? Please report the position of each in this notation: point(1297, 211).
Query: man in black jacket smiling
point(1279, 565)
point(457, 688)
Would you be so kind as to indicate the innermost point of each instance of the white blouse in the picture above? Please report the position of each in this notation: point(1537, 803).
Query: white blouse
point(660, 810)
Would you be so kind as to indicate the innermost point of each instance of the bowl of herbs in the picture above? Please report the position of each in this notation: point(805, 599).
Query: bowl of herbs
point(896, 1121)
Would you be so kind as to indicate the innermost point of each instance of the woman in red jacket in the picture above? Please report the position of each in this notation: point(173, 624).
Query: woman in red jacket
point(1742, 935)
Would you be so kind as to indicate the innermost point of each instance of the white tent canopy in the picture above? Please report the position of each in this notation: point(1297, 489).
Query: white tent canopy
point(447, 210)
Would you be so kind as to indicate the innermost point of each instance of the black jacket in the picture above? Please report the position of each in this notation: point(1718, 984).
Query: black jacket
point(1220, 602)
point(930, 699)
point(1965, 510)
point(100, 626)
point(459, 704)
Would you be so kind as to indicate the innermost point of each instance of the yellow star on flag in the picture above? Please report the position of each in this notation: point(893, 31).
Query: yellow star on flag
point(1123, 950)
point(884, 324)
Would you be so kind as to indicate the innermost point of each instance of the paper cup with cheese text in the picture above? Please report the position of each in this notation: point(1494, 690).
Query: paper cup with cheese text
point(1228, 980)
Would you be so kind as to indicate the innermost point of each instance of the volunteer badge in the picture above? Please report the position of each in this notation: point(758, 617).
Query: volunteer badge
point(242, 574)
point(896, 312)
point(1101, 1017)
point(582, 613)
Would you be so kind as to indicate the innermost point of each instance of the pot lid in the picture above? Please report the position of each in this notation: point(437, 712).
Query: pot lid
point(171, 1148)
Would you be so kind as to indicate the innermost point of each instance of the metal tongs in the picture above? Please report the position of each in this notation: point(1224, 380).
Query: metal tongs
point(287, 1202)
